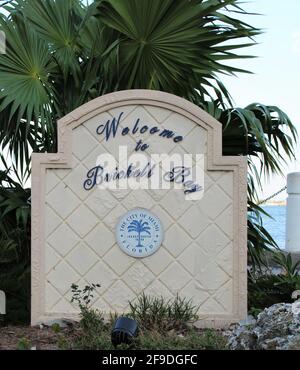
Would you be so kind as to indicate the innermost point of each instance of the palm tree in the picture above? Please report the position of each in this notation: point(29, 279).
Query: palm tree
point(63, 53)
point(139, 227)
point(15, 248)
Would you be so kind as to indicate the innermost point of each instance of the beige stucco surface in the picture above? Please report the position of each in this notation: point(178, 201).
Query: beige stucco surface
point(203, 254)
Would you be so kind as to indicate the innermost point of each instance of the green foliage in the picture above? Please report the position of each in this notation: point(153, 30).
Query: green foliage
point(64, 343)
point(290, 271)
point(173, 45)
point(259, 130)
point(92, 329)
point(259, 240)
point(56, 328)
point(61, 54)
point(23, 344)
point(168, 330)
point(266, 289)
point(15, 248)
point(162, 315)
point(149, 340)
point(83, 296)
point(91, 322)
point(191, 340)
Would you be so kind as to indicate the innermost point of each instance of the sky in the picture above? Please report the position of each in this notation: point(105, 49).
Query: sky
point(276, 78)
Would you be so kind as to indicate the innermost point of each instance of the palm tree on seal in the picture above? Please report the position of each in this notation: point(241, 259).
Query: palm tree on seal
point(139, 227)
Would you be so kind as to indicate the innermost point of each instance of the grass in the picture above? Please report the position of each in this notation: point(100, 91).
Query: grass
point(147, 340)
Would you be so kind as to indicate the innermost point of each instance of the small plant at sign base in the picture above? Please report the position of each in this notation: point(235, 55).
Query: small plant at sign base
point(91, 322)
point(56, 328)
point(163, 323)
point(160, 314)
point(23, 344)
point(254, 311)
point(63, 343)
point(83, 296)
point(113, 316)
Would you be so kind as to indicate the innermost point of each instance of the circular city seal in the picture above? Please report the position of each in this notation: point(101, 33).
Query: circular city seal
point(139, 233)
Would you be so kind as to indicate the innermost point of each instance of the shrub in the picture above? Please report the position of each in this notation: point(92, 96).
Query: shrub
point(15, 248)
point(23, 344)
point(154, 313)
point(92, 322)
point(266, 289)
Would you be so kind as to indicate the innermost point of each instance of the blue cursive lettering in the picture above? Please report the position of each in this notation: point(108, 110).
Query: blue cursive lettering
point(111, 127)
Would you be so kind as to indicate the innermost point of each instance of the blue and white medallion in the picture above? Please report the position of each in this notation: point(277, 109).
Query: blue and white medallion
point(139, 233)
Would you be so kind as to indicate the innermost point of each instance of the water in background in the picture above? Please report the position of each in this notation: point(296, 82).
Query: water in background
point(276, 226)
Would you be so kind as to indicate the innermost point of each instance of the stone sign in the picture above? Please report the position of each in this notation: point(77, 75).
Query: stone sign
point(139, 198)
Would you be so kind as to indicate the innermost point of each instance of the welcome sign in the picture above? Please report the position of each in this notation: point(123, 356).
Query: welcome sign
point(139, 198)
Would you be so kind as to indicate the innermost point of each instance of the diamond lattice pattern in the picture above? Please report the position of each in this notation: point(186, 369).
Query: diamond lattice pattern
point(196, 258)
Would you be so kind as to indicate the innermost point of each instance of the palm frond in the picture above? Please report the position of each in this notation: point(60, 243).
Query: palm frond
point(173, 45)
point(25, 90)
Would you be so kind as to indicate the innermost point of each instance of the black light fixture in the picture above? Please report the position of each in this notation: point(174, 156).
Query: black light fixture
point(124, 331)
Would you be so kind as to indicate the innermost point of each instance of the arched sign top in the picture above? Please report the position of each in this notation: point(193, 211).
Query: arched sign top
point(152, 98)
point(139, 96)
